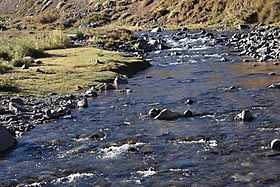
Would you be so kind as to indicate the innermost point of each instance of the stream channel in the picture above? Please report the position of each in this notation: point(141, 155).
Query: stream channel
point(113, 143)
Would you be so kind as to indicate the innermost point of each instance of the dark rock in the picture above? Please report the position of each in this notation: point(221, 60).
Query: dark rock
point(245, 115)
point(17, 100)
point(16, 108)
point(25, 66)
point(120, 80)
point(83, 103)
point(275, 86)
point(188, 114)
point(91, 92)
point(154, 112)
point(276, 63)
point(157, 29)
point(272, 73)
point(2, 110)
point(7, 141)
point(105, 86)
point(190, 102)
point(38, 62)
point(275, 144)
point(243, 27)
point(166, 114)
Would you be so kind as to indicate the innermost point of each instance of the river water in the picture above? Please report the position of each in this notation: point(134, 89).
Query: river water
point(113, 143)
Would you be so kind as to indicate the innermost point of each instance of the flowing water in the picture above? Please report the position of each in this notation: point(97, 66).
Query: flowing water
point(112, 143)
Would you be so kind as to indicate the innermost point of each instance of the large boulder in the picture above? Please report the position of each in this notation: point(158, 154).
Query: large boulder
point(166, 114)
point(7, 141)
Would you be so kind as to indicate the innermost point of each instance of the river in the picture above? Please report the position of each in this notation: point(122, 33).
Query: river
point(113, 143)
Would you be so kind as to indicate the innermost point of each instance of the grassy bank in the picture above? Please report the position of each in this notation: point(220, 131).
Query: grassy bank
point(68, 69)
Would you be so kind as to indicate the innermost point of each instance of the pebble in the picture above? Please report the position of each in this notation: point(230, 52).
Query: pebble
point(275, 144)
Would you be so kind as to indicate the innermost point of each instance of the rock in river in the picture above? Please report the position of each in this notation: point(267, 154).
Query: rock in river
point(120, 80)
point(275, 86)
point(166, 114)
point(7, 141)
point(83, 103)
point(154, 112)
point(16, 108)
point(245, 115)
point(275, 144)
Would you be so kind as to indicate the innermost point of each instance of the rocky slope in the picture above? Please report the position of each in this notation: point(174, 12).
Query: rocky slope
point(95, 13)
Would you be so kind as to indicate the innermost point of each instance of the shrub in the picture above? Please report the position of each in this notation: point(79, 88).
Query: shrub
point(47, 17)
point(53, 40)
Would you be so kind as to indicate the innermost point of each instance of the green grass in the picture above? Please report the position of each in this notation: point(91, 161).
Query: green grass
point(69, 68)
point(15, 47)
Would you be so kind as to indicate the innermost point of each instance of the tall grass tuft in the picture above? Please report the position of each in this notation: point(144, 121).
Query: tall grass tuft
point(18, 47)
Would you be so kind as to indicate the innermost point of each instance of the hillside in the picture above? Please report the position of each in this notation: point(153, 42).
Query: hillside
point(96, 13)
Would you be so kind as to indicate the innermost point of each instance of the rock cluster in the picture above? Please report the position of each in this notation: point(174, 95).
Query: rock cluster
point(20, 115)
point(260, 44)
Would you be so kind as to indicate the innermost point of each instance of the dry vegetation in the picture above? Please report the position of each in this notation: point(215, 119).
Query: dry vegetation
point(54, 14)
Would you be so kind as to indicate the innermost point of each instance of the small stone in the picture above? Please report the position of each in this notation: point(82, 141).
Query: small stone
point(17, 100)
point(246, 60)
point(166, 114)
point(190, 102)
point(38, 62)
point(91, 92)
point(157, 29)
point(275, 86)
point(25, 66)
point(254, 65)
point(120, 80)
point(79, 88)
point(154, 112)
point(276, 64)
point(275, 144)
point(148, 77)
point(83, 103)
point(272, 73)
point(188, 114)
point(16, 108)
point(245, 115)
point(2, 110)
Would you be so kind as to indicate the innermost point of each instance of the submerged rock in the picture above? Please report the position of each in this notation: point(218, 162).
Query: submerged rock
point(275, 144)
point(166, 114)
point(7, 141)
point(245, 115)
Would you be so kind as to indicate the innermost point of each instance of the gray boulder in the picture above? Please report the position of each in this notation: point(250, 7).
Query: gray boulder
point(7, 141)
point(275, 144)
point(188, 114)
point(245, 115)
point(166, 114)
